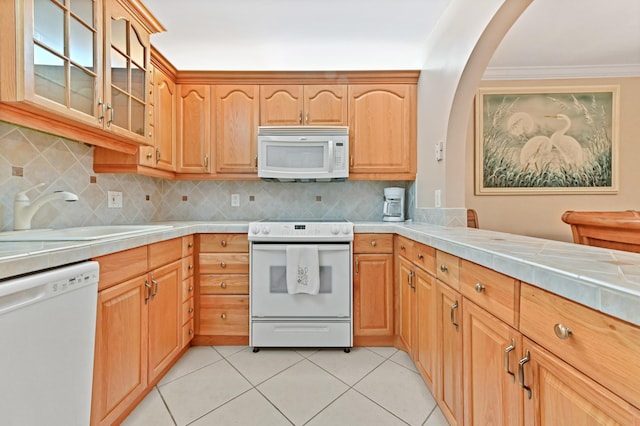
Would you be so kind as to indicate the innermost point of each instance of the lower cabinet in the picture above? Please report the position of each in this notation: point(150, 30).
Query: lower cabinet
point(492, 350)
point(373, 298)
point(426, 333)
point(407, 305)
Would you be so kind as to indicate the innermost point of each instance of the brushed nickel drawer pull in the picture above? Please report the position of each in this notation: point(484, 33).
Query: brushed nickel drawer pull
point(373, 243)
point(223, 316)
point(223, 265)
point(149, 156)
point(155, 287)
point(190, 332)
point(522, 362)
point(479, 288)
point(402, 247)
point(420, 256)
point(562, 331)
point(190, 267)
point(223, 243)
point(190, 289)
point(148, 291)
point(357, 265)
point(190, 244)
point(223, 285)
point(191, 309)
point(444, 268)
point(508, 349)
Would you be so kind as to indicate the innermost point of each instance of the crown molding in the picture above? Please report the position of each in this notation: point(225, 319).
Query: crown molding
point(553, 72)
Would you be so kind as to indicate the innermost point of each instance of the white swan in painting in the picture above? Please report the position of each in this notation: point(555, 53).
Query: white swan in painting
point(569, 148)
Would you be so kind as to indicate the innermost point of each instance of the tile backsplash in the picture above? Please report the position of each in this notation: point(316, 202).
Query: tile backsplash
point(28, 157)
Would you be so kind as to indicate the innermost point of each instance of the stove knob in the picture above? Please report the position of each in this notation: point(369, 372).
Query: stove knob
point(266, 229)
point(255, 229)
point(335, 229)
point(345, 229)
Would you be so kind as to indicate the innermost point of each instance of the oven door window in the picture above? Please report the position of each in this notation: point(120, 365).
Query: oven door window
point(269, 296)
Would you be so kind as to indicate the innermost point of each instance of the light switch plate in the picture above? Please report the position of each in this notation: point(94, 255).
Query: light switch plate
point(235, 200)
point(114, 199)
point(439, 151)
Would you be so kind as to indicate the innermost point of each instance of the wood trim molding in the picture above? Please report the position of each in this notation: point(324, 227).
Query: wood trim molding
point(159, 61)
point(139, 10)
point(297, 77)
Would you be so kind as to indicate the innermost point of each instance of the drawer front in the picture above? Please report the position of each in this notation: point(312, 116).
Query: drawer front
point(448, 269)
point(121, 266)
point(604, 348)
point(424, 257)
point(373, 243)
point(187, 266)
point(224, 284)
point(220, 263)
point(187, 310)
point(164, 252)
point(188, 331)
point(224, 315)
point(404, 247)
point(224, 243)
point(188, 246)
point(187, 288)
point(495, 292)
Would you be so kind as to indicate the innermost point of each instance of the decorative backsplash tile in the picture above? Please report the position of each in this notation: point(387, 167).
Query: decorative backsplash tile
point(65, 165)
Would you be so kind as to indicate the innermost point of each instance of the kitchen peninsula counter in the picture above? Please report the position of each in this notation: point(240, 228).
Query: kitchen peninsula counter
point(602, 279)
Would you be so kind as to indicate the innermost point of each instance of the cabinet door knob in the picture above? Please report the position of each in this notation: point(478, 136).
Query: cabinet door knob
point(444, 268)
point(420, 256)
point(223, 243)
point(223, 285)
point(190, 244)
point(149, 156)
point(402, 247)
point(190, 332)
point(223, 265)
point(190, 267)
point(190, 310)
point(373, 243)
point(562, 331)
point(223, 316)
point(190, 289)
point(479, 288)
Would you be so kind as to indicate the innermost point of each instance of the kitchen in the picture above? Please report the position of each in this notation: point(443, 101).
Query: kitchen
point(185, 200)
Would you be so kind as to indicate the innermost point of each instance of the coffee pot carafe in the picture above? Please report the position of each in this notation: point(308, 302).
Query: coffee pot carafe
point(393, 208)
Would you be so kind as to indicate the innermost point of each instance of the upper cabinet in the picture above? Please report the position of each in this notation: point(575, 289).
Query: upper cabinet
point(309, 105)
point(84, 61)
point(237, 109)
point(194, 128)
point(382, 131)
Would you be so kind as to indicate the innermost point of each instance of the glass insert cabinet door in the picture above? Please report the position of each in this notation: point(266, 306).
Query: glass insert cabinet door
point(127, 58)
point(65, 55)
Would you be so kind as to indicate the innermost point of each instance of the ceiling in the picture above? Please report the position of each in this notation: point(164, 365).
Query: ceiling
point(577, 36)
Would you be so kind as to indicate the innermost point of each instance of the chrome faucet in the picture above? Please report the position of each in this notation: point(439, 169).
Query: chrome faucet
point(24, 209)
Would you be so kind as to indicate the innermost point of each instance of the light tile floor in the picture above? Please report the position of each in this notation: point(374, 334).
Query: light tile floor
point(231, 385)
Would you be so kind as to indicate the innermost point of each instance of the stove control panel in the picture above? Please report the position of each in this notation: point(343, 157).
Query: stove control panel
point(301, 231)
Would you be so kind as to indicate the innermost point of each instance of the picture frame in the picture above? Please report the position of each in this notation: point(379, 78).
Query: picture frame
point(546, 140)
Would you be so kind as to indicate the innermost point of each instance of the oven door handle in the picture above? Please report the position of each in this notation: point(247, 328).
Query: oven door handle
point(283, 247)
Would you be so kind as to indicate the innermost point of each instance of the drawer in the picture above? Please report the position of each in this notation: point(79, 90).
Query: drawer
point(301, 334)
point(224, 284)
point(493, 291)
point(187, 310)
point(187, 288)
point(224, 315)
point(221, 263)
point(187, 246)
point(373, 243)
point(404, 247)
point(121, 266)
point(188, 331)
point(424, 257)
point(224, 243)
point(164, 252)
point(604, 348)
point(448, 269)
point(187, 266)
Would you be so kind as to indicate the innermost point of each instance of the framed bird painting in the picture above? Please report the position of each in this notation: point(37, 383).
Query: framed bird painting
point(546, 140)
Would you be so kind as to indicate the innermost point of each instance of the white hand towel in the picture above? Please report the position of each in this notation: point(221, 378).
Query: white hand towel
point(303, 269)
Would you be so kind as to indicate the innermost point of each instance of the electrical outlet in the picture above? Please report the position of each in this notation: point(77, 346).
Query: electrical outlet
point(437, 200)
point(235, 200)
point(114, 199)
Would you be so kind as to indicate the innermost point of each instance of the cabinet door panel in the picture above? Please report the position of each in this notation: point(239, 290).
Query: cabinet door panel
point(373, 295)
point(281, 105)
point(120, 372)
point(194, 129)
point(165, 121)
point(426, 353)
point(325, 105)
point(449, 381)
point(405, 292)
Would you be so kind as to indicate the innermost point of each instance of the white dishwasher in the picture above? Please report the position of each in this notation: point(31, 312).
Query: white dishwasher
point(47, 338)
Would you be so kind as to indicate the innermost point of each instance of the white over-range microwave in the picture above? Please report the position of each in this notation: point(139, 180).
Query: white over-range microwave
point(303, 153)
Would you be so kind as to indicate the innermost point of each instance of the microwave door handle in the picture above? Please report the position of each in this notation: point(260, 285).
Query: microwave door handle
point(331, 158)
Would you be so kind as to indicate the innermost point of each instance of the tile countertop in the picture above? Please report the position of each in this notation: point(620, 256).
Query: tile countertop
point(605, 280)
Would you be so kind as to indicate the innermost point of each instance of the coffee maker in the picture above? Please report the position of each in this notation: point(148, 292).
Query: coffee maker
point(393, 209)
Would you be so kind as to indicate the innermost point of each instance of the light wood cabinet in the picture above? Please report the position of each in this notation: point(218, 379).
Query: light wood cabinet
point(237, 109)
point(188, 290)
point(373, 302)
point(491, 353)
point(449, 362)
point(164, 119)
point(382, 131)
point(222, 301)
point(561, 395)
point(426, 327)
point(138, 329)
point(309, 105)
point(407, 304)
point(194, 128)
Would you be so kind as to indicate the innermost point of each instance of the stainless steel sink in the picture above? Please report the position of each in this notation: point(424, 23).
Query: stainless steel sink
point(82, 233)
